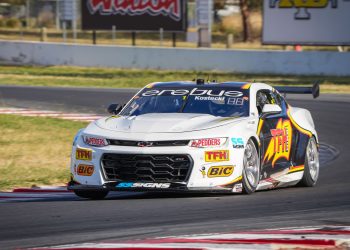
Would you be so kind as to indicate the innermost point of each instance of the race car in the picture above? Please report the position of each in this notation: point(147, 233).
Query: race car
point(193, 136)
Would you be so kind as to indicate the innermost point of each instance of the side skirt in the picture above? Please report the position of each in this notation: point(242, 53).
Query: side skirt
point(288, 179)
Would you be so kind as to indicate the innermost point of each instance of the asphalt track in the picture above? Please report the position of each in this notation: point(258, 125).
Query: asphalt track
point(61, 221)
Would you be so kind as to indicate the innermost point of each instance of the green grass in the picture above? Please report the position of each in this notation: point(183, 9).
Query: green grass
point(135, 78)
point(35, 151)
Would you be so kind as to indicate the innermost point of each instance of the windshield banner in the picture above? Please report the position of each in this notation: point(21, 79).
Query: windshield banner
point(193, 92)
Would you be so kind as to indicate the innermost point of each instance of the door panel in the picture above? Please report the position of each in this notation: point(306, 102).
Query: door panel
point(277, 141)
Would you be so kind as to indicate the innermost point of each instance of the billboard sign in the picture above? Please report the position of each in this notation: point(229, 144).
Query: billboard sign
point(306, 22)
point(143, 15)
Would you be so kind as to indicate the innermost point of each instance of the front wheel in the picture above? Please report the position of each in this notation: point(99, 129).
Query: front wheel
point(251, 168)
point(92, 195)
point(311, 166)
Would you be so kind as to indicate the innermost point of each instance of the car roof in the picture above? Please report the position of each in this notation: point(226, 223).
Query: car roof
point(243, 85)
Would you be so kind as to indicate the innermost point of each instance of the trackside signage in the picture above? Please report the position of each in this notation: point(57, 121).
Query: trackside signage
point(319, 22)
point(134, 14)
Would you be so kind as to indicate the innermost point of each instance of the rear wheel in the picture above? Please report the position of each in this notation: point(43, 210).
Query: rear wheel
point(312, 165)
point(93, 194)
point(251, 168)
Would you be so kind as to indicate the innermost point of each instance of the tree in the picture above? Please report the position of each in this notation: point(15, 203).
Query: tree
point(246, 6)
point(218, 5)
point(247, 27)
point(14, 2)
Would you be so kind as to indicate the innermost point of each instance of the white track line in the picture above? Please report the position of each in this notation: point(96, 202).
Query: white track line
point(48, 113)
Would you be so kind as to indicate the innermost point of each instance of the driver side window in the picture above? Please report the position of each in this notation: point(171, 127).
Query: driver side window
point(265, 97)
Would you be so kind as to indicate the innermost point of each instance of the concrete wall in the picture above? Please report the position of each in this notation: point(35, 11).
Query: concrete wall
point(241, 61)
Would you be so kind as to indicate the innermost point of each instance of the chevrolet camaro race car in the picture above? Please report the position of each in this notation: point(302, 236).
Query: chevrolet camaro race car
point(198, 137)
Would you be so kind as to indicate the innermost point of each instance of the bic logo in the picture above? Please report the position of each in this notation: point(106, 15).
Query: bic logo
point(217, 155)
point(303, 6)
point(220, 171)
point(85, 170)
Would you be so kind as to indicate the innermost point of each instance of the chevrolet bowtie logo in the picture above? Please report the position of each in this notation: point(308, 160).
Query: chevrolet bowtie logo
point(144, 144)
point(302, 6)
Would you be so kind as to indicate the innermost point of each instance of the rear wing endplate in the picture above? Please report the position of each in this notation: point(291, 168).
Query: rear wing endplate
point(314, 90)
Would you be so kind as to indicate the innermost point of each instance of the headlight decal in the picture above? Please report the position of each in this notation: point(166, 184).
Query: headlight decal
point(95, 141)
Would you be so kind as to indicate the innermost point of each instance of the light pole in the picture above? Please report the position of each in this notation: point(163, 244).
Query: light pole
point(57, 14)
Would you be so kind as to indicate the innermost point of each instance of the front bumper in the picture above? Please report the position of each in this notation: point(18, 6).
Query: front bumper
point(198, 178)
point(174, 187)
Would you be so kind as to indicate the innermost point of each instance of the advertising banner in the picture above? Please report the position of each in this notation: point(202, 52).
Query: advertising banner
point(134, 15)
point(306, 22)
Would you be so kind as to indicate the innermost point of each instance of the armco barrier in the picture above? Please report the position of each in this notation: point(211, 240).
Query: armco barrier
point(240, 61)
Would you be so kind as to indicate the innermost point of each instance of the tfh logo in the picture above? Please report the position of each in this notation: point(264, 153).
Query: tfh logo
point(218, 155)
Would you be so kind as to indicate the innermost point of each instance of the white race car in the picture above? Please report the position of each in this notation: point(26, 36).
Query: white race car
point(198, 137)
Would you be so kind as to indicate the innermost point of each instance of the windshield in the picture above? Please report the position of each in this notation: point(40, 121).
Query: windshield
point(216, 101)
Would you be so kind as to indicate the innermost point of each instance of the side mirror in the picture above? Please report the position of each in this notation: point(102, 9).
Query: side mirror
point(114, 109)
point(271, 109)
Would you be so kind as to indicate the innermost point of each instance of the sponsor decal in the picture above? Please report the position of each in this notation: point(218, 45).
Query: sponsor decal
point(209, 98)
point(237, 142)
point(171, 8)
point(95, 141)
point(209, 142)
point(85, 170)
point(235, 101)
point(142, 185)
point(83, 154)
point(193, 92)
point(280, 144)
point(220, 171)
point(217, 155)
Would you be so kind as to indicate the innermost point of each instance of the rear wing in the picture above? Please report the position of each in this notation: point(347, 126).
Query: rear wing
point(314, 90)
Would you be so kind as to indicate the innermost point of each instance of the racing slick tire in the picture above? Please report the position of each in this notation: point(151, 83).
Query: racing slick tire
point(251, 168)
point(91, 194)
point(311, 166)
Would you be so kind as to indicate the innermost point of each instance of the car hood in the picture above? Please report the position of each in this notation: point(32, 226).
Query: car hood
point(163, 123)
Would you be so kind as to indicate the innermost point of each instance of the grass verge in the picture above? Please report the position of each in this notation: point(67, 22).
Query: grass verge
point(134, 78)
point(35, 151)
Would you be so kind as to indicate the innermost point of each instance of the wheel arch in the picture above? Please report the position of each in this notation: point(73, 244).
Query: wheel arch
point(256, 143)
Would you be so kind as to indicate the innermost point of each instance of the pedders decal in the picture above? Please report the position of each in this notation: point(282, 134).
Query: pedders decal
point(280, 144)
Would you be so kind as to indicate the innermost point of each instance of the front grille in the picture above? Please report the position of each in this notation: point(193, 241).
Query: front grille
point(146, 168)
point(149, 143)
